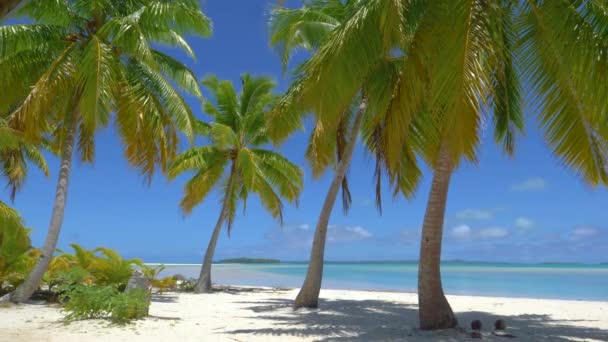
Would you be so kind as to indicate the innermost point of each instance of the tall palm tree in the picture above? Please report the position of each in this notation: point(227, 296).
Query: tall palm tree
point(83, 63)
point(479, 52)
point(235, 160)
point(308, 27)
point(461, 60)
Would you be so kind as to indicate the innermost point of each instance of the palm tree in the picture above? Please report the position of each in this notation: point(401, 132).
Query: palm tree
point(308, 27)
point(235, 161)
point(82, 64)
point(461, 60)
point(480, 50)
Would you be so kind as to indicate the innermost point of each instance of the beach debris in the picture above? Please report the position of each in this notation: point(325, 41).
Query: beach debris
point(138, 281)
point(500, 324)
point(476, 325)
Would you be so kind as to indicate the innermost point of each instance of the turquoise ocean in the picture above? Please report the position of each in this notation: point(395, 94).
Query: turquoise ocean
point(551, 281)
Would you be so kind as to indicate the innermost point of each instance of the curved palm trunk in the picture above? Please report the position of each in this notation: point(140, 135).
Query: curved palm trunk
point(32, 282)
point(309, 293)
point(203, 285)
point(434, 310)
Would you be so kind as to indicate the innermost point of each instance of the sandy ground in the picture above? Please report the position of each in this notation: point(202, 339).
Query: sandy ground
point(264, 314)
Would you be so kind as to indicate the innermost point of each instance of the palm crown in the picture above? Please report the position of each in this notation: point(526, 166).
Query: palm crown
point(236, 139)
point(454, 62)
point(84, 60)
point(431, 73)
point(315, 27)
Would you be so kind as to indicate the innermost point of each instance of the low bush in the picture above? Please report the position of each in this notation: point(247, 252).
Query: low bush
point(17, 256)
point(129, 305)
point(98, 301)
point(164, 284)
point(186, 285)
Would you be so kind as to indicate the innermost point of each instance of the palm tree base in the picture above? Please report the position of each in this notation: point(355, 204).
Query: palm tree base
point(306, 299)
point(436, 314)
point(6, 299)
point(203, 286)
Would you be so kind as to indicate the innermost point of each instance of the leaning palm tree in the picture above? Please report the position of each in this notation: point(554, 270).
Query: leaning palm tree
point(235, 161)
point(84, 63)
point(309, 27)
point(460, 61)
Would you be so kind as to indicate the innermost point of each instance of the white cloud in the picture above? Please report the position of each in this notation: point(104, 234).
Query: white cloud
point(359, 231)
point(462, 231)
point(304, 226)
point(336, 233)
point(584, 232)
point(475, 214)
point(524, 223)
point(493, 232)
point(531, 184)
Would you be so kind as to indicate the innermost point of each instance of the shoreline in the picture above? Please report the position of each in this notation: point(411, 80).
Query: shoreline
point(291, 288)
point(466, 281)
point(254, 313)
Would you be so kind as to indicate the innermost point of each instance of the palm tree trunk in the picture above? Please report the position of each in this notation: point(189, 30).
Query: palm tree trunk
point(7, 7)
point(32, 282)
point(309, 293)
point(203, 285)
point(434, 310)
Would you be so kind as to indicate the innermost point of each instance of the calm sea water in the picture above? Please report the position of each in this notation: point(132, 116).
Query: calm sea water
point(555, 281)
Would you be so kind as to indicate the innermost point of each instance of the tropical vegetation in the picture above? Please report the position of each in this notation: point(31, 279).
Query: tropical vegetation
point(235, 161)
point(15, 246)
point(415, 80)
point(16, 254)
point(81, 64)
point(99, 301)
point(333, 139)
point(458, 63)
point(88, 283)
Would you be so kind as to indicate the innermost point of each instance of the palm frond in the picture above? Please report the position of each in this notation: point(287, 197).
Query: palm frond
point(182, 16)
point(178, 72)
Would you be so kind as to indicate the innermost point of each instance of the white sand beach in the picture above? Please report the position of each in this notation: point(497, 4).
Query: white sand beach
point(265, 314)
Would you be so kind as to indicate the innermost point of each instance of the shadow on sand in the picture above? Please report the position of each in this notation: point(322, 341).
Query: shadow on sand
point(377, 320)
point(164, 298)
point(249, 289)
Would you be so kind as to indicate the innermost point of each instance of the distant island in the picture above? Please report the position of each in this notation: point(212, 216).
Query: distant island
point(249, 261)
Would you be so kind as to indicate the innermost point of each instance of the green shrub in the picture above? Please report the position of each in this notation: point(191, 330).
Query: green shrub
point(87, 302)
point(186, 285)
point(105, 265)
point(63, 270)
point(16, 254)
point(164, 284)
point(129, 305)
point(97, 301)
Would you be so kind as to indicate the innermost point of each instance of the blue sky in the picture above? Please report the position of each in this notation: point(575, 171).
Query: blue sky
point(527, 209)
